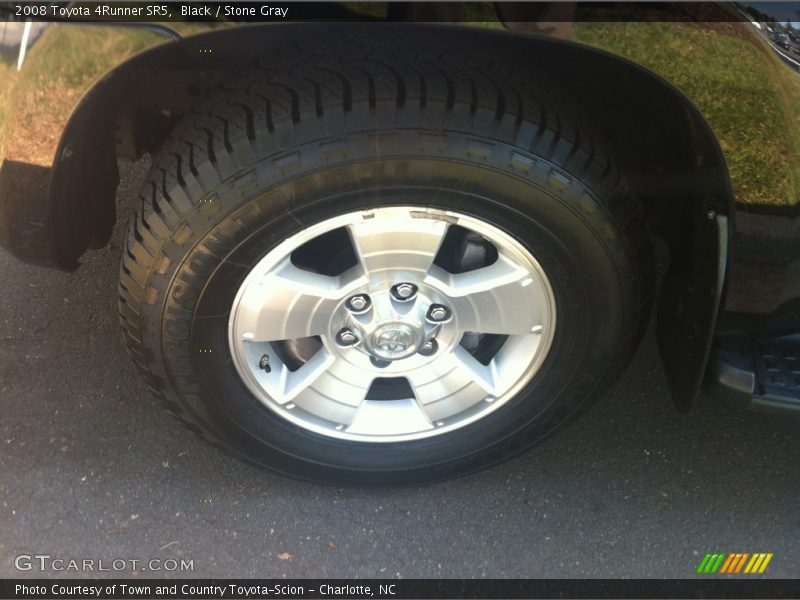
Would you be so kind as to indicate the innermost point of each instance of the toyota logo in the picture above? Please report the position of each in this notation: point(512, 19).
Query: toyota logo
point(395, 340)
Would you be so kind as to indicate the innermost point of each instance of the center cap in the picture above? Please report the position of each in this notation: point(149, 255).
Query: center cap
point(392, 341)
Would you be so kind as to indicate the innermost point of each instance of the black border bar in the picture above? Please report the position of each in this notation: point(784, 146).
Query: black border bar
point(169, 11)
point(339, 589)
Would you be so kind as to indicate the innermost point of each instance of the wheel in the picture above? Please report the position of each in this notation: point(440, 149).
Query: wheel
point(383, 270)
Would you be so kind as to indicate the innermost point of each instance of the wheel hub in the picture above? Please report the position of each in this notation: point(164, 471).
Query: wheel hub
point(395, 340)
point(396, 323)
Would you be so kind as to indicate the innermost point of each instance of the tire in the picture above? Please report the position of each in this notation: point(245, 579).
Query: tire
point(282, 152)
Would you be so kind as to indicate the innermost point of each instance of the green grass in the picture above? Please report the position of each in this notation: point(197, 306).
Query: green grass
point(750, 99)
point(8, 76)
point(59, 67)
point(77, 56)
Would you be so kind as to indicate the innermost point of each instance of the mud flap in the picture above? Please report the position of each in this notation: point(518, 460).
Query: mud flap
point(689, 306)
point(49, 216)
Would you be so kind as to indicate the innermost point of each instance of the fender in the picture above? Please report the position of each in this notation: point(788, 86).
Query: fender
point(659, 136)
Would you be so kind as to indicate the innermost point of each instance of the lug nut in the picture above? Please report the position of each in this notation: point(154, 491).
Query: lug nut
point(358, 304)
point(404, 292)
point(346, 338)
point(379, 362)
point(429, 348)
point(438, 314)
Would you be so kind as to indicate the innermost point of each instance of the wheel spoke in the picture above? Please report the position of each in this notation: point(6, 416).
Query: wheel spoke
point(389, 417)
point(453, 372)
point(453, 384)
point(288, 385)
point(410, 244)
point(497, 299)
point(291, 303)
point(349, 385)
point(337, 394)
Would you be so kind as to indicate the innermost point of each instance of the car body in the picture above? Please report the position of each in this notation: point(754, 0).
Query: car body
point(702, 110)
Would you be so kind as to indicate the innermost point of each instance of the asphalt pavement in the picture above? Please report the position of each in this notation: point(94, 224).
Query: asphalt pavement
point(91, 467)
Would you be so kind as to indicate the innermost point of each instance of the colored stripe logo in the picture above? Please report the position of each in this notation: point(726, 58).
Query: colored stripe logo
point(735, 563)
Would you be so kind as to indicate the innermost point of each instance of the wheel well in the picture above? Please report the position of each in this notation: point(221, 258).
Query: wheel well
point(661, 141)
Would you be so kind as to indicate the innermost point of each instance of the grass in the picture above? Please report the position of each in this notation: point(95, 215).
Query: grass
point(750, 99)
point(60, 66)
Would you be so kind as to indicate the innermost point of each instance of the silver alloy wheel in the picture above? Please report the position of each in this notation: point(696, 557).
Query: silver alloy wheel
point(394, 315)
